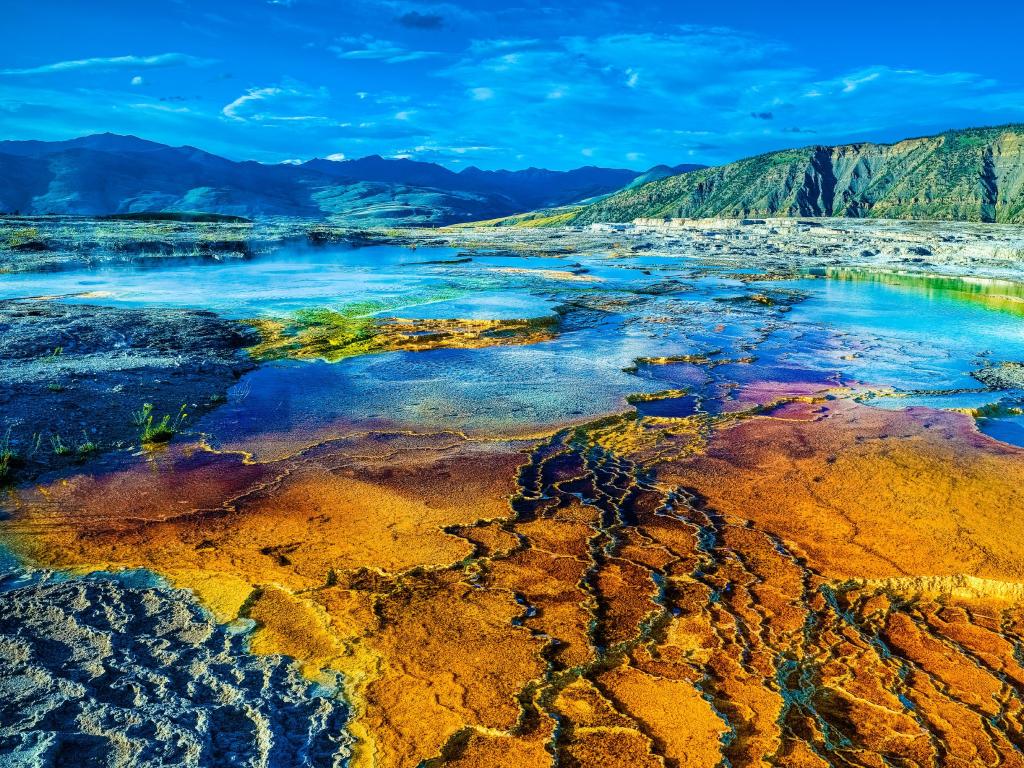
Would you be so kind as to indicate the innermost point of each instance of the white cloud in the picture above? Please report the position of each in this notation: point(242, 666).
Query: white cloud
point(369, 48)
point(235, 108)
point(162, 108)
point(112, 62)
point(900, 87)
point(491, 47)
point(688, 92)
point(138, 80)
point(643, 98)
point(437, 148)
point(298, 118)
point(853, 83)
point(289, 103)
point(336, 157)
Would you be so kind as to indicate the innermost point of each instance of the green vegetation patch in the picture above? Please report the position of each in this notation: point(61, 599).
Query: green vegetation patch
point(359, 328)
point(551, 217)
point(153, 431)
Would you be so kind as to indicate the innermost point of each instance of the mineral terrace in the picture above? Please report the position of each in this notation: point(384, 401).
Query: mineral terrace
point(698, 501)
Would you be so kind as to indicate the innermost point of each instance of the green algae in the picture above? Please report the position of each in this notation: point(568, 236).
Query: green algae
point(9, 457)
point(332, 334)
point(359, 328)
point(999, 295)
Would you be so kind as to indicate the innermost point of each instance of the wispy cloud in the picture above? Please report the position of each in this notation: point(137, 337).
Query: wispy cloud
point(852, 84)
point(451, 154)
point(369, 48)
point(710, 93)
point(156, 107)
point(234, 110)
point(516, 84)
point(289, 103)
point(112, 62)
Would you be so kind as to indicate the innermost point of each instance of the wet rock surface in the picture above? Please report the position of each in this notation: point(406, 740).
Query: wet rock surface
point(1003, 375)
point(51, 243)
point(73, 377)
point(783, 245)
point(101, 672)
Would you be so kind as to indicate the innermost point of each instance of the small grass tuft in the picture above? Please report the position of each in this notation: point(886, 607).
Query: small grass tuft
point(20, 237)
point(87, 447)
point(60, 448)
point(9, 457)
point(153, 431)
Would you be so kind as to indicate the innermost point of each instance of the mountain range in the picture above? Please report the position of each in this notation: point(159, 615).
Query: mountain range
point(109, 173)
point(975, 174)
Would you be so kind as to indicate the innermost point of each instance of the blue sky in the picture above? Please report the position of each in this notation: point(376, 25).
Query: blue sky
point(528, 82)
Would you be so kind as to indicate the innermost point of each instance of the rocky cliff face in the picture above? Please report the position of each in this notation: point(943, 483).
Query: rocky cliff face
point(970, 175)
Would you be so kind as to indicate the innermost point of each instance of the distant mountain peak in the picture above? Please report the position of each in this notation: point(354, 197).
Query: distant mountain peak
point(109, 173)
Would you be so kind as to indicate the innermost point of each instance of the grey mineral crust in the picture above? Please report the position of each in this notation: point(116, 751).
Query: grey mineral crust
point(77, 373)
point(99, 672)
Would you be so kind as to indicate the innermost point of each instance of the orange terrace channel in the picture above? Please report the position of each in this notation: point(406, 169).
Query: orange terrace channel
point(807, 581)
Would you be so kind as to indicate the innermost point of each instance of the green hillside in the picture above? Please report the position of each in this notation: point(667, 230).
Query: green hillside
point(969, 175)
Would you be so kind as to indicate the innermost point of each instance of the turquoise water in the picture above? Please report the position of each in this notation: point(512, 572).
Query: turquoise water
point(290, 279)
point(912, 335)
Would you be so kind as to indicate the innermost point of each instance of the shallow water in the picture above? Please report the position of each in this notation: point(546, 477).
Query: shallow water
point(290, 279)
point(912, 334)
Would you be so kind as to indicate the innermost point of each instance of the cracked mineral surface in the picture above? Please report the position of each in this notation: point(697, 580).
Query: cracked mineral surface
point(723, 503)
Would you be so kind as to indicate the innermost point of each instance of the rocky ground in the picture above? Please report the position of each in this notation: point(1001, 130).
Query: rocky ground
point(785, 245)
point(43, 243)
point(780, 589)
point(39, 243)
point(74, 378)
point(106, 672)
